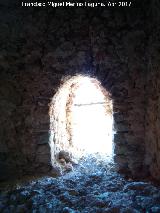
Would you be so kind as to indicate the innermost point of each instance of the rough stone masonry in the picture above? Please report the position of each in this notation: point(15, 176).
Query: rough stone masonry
point(40, 47)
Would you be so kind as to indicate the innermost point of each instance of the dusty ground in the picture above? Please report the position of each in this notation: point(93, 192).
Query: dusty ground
point(90, 188)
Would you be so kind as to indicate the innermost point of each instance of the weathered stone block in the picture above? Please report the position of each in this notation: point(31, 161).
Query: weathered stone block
point(121, 149)
point(43, 154)
point(121, 127)
point(118, 117)
point(119, 138)
point(43, 138)
point(121, 163)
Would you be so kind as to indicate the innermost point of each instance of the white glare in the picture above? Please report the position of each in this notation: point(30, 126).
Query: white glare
point(91, 125)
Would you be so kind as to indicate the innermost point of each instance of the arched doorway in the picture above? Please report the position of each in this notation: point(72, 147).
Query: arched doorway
point(81, 119)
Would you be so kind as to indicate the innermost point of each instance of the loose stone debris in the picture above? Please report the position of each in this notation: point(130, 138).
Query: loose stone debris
point(93, 186)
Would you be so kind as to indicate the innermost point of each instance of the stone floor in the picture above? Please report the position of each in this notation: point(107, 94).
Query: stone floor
point(90, 188)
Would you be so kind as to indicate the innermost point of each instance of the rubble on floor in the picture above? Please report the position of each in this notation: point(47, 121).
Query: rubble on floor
point(92, 187)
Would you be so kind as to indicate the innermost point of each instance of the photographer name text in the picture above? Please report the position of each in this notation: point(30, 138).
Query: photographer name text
point(76, 4)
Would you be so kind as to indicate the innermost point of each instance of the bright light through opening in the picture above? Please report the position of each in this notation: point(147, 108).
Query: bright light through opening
point(91, 124)
point(81, 119)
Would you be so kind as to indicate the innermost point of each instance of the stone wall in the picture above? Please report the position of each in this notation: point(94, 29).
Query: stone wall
point(152, 136)
point(43, 46)
point(153, 123)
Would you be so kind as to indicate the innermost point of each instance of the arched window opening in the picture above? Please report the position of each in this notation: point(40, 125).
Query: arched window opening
point(81, 119)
